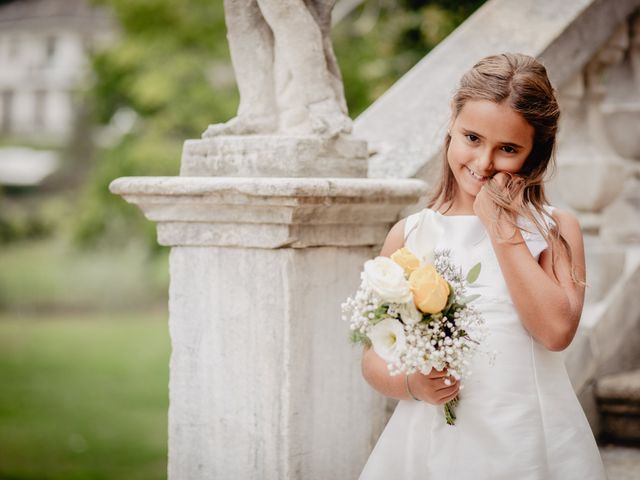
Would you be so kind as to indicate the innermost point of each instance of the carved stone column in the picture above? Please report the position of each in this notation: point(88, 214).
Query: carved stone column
point(264, 383)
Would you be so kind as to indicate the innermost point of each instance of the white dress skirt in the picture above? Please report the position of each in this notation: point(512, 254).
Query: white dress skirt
point(518, 417)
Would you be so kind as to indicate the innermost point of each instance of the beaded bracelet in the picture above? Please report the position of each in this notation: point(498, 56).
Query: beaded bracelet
point(406, 383)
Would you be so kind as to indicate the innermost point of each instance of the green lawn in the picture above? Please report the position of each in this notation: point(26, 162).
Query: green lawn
point(51, 274)
point(84, 397)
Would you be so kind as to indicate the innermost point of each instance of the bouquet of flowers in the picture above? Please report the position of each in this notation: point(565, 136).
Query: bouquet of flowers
point(417, 314)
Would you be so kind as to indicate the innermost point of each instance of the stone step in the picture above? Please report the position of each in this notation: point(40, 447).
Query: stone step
point(621, 463)
point(618, 399)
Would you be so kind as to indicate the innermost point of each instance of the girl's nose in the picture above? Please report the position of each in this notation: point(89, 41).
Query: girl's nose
point(484, 162)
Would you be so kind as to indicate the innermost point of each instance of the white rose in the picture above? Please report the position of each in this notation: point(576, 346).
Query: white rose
point(409, 313)
point(386, 278)
point(427, 237)
point(388, 339)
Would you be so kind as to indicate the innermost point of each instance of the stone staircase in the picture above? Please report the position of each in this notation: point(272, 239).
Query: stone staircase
point(618, 400)
point(621, 463)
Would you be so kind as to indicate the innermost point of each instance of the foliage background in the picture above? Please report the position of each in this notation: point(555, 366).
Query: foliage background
point(171, 67)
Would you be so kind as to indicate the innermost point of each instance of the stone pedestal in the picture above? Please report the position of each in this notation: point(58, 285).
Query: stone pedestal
point(264, 383)
point(275, 156)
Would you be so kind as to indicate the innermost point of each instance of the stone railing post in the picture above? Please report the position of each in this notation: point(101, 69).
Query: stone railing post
point(264, 383)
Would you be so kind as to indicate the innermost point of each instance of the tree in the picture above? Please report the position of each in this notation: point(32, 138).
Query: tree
point(164, 69)
point(382, 39)
point(171, 67)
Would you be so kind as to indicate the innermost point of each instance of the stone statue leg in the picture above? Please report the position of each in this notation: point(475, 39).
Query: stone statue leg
point(321, 10)
point(300, 44)
point(251, 47)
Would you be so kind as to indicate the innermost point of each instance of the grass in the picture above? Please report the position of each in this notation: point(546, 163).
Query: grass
point(83, 397)
point(47, 274)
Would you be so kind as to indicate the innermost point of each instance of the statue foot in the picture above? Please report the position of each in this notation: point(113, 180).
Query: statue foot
point(327, 119)
point(243, 125)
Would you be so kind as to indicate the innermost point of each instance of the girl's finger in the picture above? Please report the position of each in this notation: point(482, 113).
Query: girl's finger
point(501, 179)
point(442, 388)
point(448, 398)
point(445, 378)
point(436, 374)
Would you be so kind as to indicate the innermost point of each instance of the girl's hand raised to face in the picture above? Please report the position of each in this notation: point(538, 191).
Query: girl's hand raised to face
point(504, 184)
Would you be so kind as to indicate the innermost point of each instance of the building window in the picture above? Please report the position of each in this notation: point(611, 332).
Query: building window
point(7, 111)
point(40, 106)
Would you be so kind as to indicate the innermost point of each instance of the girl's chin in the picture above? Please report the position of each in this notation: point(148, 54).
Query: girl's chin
point(472, 189)
point(470, 194)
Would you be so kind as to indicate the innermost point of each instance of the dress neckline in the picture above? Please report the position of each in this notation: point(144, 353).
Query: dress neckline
point(471, 224)
point(453, 216)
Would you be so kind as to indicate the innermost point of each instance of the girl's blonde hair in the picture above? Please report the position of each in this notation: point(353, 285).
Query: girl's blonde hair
point(522, 83)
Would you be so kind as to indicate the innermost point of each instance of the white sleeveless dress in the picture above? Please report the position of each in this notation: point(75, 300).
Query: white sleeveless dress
point(518, 417)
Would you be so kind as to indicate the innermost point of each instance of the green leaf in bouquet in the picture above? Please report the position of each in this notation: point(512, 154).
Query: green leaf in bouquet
point(382, 309)
point(469, 298)
point(379, 314)
point(450, 298)
point(358, 337)
point(474, 273)
point(428, 318)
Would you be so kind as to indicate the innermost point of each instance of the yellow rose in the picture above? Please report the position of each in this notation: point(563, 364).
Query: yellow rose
point(407, 260)
point(430, 290)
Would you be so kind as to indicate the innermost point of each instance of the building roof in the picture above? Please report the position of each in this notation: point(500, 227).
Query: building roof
point(26, 11)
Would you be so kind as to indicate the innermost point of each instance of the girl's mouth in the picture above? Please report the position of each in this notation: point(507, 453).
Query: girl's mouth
point(475, 176)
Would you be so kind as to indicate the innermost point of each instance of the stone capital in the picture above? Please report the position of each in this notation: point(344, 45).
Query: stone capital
point(270, 212)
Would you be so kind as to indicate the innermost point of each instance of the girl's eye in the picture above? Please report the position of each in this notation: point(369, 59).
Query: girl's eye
point(471, 137)
point(508, 149)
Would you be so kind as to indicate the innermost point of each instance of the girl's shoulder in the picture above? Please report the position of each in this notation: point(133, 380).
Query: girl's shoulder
point(536, 235)
point(402, 229)
point(566, 222)
point(395, 238)
point(425, 217)
point(546, 220)
point(412, 221)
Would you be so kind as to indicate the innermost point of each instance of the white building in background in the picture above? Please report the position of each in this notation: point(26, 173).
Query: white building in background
point(44, 47)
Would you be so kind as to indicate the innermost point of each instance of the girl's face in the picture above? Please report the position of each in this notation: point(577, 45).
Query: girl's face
point(486, 138)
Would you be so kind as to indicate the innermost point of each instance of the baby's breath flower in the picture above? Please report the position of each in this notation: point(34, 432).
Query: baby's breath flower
point(445, 340)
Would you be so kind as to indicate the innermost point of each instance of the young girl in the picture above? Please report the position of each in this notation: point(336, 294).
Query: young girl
point(518, 417)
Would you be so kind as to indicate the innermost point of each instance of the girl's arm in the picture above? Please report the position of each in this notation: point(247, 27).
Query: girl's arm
point(374, 368)
point(430, 388)
point(548, 308)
